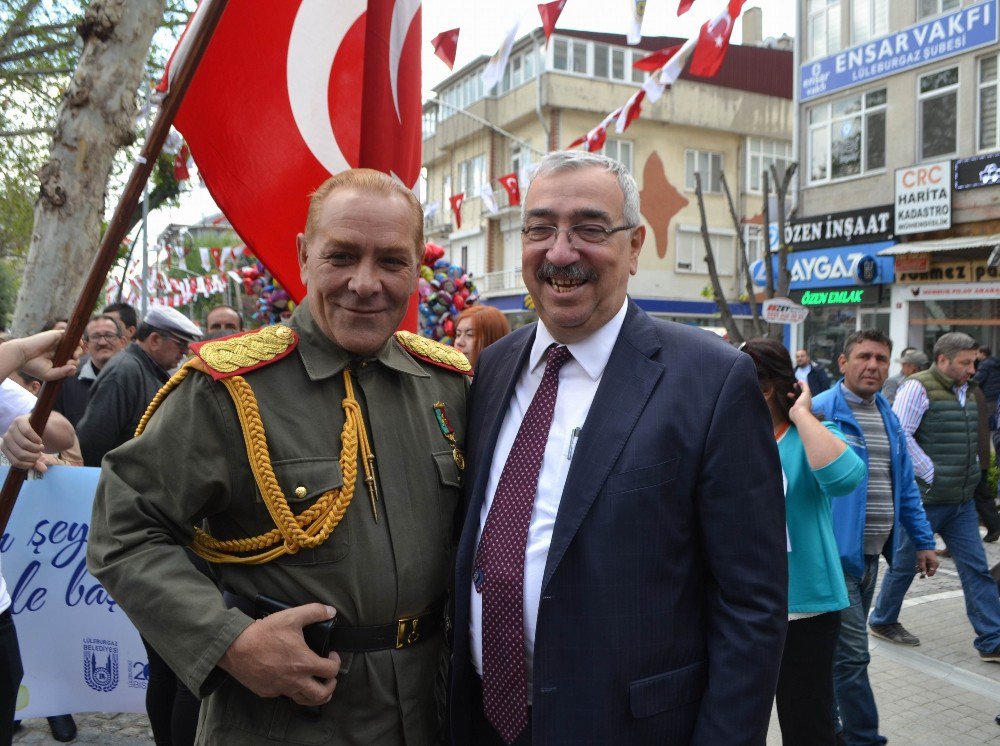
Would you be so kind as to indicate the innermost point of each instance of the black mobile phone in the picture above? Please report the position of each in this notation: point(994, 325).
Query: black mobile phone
point(317, 635)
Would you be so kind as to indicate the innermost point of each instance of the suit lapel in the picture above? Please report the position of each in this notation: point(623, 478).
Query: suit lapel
point(505, 374)
point(625, 387)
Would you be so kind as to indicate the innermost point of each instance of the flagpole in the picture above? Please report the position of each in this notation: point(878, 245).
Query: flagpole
point(201, 32)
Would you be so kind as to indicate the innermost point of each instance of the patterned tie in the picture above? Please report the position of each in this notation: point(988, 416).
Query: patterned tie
point(499, 569)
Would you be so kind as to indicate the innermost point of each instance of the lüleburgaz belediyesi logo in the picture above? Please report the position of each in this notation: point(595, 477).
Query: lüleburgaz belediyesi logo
point(100, 664)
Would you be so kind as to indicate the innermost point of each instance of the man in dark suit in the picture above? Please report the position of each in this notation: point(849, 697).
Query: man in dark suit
point(622, 574)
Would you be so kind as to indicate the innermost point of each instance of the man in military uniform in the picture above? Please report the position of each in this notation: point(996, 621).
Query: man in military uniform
point(321, 462)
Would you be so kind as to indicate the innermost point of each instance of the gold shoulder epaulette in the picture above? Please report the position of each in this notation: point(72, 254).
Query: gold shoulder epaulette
point(244, 352)
point(434, 352)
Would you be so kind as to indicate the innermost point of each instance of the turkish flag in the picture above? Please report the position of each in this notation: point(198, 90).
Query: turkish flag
point(713, 41)
point(509, 182)
point(446, 45)
point(654, 61)
point(630, 112)
point(181, 172)
point(594, 140)
point(684, 6)
point(291, 92)
point(550, 14)
point(456, 207)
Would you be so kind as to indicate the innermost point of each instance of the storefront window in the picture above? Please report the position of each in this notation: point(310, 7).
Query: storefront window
point(980, 319)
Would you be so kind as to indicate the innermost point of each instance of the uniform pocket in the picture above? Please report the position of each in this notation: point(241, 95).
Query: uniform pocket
point(303, 481)
point(448, 470)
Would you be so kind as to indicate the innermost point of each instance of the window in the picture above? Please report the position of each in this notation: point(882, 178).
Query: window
point(570, 55)
point(462, 94)
point(691, 250)
point(446, 189)
point(869, 19)
point(601, 61)
point(520, 162)
point(472, 175)
point(847, 136)
point(760, 155)
point(987, 102)
point(753, 235)
point(520, 69)
point(709, 165)
point(927, 8)
point(938, 112)
point(620, 150)
point(824, 27)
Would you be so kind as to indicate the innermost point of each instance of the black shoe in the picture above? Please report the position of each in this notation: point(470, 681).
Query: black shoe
point(992, 536)
point(63, 727)
point(894, 633)
point(993, 656)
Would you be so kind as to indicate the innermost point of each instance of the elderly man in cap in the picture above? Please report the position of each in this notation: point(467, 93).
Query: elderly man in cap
point(130, 380)
point(911, 361)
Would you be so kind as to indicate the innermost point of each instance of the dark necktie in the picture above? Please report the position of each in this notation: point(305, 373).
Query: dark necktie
point(499, 570)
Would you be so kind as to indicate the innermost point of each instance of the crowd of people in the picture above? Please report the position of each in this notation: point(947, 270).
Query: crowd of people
point(325, 534)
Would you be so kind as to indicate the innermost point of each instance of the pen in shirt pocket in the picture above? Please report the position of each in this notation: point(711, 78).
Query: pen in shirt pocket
point(574, 436)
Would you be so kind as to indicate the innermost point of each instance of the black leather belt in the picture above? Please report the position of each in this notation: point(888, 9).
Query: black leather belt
point(402, 633)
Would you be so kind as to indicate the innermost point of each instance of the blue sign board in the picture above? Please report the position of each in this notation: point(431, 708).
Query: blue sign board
point(928, 41)
point(829, 268)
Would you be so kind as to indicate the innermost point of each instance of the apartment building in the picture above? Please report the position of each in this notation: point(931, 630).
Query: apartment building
point(735, 125)
point(897, 128)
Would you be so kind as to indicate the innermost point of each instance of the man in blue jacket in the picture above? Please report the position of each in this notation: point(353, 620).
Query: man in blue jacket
point(867, 522)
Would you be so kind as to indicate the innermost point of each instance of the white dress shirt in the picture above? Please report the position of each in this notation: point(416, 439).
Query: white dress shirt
point(578, 381)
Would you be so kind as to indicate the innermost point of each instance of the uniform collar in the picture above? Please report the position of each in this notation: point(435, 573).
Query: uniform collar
point(591, 353)
point(323, 358)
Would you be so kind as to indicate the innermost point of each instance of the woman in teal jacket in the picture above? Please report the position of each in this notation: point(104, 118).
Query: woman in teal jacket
point(817, 465)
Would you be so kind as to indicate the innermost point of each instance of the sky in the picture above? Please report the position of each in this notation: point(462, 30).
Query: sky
point(483, 26)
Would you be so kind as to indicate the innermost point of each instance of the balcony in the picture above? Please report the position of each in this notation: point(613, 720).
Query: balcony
point(503, 282)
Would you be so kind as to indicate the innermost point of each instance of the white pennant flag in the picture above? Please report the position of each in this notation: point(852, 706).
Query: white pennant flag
point(226, 255)
point(638, 8)
point(235, 276)
point(489, 201)
point(431, 210)
point(206, 259)
point(493, 72)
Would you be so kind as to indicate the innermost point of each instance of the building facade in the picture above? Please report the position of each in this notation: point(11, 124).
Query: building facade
point(897, 111)
point(730, 127)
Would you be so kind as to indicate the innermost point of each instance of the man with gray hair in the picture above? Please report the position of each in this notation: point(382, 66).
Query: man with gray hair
point(938, 411)
point(622, 574)
point(911, 361)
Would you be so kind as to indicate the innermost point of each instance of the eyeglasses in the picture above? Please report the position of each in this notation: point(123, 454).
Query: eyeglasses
point(588, 234)
point(101, 337)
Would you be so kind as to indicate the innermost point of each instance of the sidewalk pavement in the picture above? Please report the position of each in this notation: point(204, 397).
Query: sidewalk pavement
point(937, 694)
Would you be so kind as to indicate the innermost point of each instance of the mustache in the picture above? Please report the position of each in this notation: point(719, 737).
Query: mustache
point(549, 271)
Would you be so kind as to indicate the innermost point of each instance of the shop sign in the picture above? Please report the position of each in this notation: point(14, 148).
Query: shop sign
point(929, 41)
point(783, 311)
point(981, 171)
point(923, 198)
point(920, 262)
point(985, 290)
point(978, 271)
point(836, 229)
point(828, 268)
point(832, 297)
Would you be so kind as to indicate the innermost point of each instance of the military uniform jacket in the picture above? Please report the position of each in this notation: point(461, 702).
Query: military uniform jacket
point(190, 465)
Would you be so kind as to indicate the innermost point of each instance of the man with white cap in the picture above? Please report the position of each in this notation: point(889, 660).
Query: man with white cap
point(911, 361)
point(130, 380)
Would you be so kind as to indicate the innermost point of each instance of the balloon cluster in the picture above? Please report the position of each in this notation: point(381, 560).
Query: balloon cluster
point(445, 290)
point(273, 301)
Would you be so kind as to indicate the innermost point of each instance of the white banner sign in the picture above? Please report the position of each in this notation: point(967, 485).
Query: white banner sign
point(783, 311)
point(923, 198)
point(80, 652)
point(985, 290)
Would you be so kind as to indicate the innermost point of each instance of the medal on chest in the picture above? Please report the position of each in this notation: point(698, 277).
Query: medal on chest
point(449, 433)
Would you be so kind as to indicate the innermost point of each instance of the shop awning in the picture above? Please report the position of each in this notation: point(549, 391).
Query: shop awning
point(942, 244)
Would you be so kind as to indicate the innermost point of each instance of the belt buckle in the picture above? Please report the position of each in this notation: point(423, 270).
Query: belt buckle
point(407, 631)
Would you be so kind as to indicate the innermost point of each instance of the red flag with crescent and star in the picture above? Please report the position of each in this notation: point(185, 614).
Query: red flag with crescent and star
point(509, 182)
point(713, 41)
point(291, 92)
point(456, 207)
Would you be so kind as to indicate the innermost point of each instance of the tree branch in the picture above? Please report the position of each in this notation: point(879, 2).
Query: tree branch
point(20, 18)
point(27, 54)
point(27, 131)
point(43, 71)
point(725, 312)
point(758, 326)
